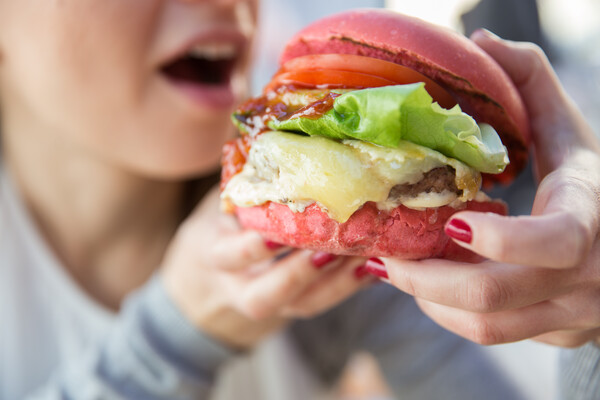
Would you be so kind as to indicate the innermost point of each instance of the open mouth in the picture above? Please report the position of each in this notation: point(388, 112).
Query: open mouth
point(206, 64)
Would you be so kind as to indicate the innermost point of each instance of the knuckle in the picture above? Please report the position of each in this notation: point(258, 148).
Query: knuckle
point(534, 52)
point(289, 284)
point(486, 294)
point(406, 282)
point(578, 243)
point(254, 246)
point(535, 59)
point(255, 308)
point(484, 333)
point(244, 253)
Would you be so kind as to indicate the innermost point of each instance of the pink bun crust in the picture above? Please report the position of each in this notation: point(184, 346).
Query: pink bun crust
point(370, 232)
point(477, 82)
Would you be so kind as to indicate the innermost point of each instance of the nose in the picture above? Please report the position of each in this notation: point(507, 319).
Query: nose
point(251, 5)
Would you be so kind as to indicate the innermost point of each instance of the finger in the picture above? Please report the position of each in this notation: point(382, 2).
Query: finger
point(577, 311)
point(330, 289)
point(501, 327)
point(557, 124)
point(569, 338)
point(263, 296)
point(216, 238)
point(559, 234)
point(561, 239)
point(239, 250)
point(484, 288)
point(529, 68)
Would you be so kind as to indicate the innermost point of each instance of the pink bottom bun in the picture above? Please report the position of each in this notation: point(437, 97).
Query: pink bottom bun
point(401, 232)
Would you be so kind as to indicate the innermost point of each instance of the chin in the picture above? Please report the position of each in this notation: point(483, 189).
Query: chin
point(180, 156)
point(175, 169)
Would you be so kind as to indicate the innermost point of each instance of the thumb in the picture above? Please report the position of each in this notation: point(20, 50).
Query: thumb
point(529, 69)
point(557, 125)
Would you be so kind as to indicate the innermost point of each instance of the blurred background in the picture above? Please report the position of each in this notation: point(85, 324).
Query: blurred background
point(569, 32)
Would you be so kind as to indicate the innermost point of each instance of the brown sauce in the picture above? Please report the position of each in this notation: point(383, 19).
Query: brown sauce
point(314, 110)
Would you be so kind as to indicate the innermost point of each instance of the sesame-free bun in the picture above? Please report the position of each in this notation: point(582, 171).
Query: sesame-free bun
point(370, 232)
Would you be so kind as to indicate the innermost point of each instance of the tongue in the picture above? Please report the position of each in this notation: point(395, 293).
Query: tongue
point(200, 71)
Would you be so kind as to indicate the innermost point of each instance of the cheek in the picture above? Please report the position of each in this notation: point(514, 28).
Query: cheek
point(67, 72)
point(94, 87)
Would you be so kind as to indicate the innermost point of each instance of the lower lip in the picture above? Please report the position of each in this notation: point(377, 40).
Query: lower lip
point(217, 97)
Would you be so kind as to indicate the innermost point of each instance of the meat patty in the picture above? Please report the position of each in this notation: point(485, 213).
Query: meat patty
point(437, 180)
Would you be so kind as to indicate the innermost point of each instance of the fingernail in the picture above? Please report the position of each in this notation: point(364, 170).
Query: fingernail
point(459, 230)
point(321, 258)
point(361, 272)
point(486, 32)
point(376, 267)
point(272, 245)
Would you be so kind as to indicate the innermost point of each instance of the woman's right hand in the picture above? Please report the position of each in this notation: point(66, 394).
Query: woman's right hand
point(237, 288)
point(541, 278)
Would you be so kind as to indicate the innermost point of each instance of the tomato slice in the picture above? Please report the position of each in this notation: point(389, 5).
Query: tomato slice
point(368, 66)
point(235, 153)
point(331, 78)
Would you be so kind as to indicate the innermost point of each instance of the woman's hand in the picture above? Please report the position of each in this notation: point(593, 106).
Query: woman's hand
point(238, 288)
point(542, 279)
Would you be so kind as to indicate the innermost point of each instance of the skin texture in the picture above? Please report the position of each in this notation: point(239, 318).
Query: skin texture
point(101, 147)
point(151, 130)
point(543, 274)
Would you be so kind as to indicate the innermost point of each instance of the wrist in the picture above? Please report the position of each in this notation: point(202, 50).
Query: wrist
point(169, 334)
point(236, 330)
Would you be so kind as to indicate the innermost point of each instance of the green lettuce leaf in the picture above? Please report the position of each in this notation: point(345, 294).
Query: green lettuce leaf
point(386, 115)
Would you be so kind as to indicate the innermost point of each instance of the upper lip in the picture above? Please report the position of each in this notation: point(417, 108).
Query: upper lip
point(234, 43)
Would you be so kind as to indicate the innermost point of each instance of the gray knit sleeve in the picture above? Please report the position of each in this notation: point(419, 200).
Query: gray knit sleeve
point(580, 373)
point(152, 353)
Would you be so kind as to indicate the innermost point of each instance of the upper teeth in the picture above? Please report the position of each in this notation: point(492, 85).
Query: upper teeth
point(213, 51)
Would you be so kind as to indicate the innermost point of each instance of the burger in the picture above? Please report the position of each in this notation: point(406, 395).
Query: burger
point(374, 131)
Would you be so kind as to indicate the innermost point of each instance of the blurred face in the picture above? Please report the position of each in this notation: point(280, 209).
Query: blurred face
point(146, 85)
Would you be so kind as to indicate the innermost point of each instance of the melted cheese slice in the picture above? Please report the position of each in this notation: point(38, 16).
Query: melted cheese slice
point(299, 170)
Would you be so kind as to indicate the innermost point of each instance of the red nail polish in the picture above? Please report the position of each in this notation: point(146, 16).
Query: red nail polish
point(376, 267)
point(321, 258)
point(459, 230)
point(272, 245)
point(361, 272)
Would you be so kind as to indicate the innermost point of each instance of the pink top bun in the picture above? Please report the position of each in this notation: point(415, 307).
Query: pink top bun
point(473, 78)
